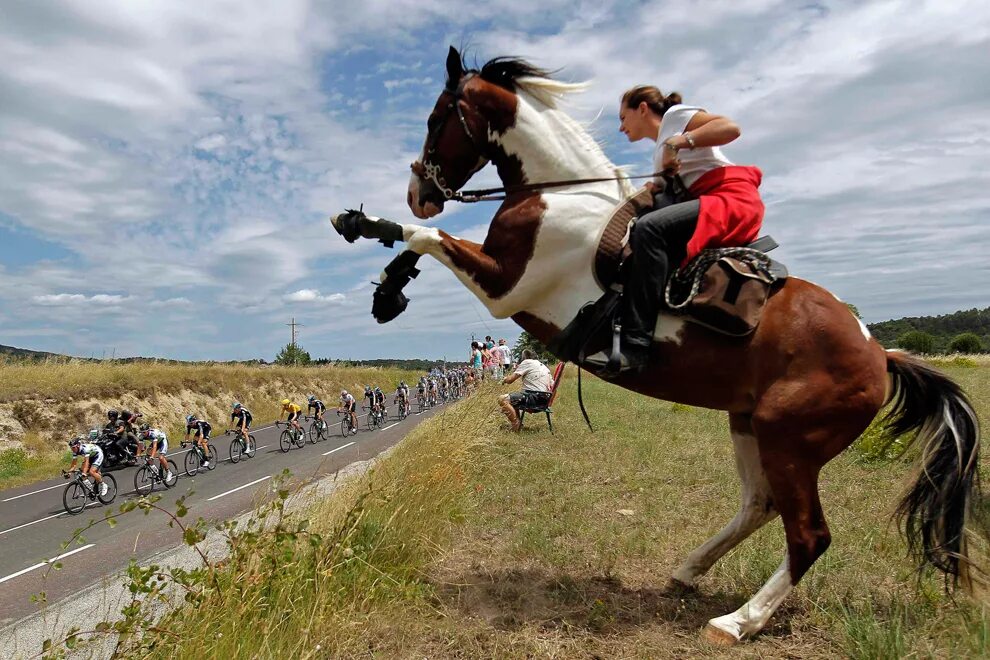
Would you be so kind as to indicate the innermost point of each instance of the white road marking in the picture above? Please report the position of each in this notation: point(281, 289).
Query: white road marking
point(327, 453)
point(390, 426)
point(57, 515)
point(45, 563)
point(33, 492)
point(234, 490)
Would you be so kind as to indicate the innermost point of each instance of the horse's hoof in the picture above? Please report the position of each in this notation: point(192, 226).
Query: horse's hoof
point(348, 224)
point(719, 637)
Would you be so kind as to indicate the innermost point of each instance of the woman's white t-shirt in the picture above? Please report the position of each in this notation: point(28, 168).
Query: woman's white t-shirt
point(694, 162)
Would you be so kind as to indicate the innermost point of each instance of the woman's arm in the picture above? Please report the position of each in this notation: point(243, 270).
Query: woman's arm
point(707, 130)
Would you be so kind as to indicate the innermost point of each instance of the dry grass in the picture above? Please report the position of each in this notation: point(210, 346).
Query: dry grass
point(473, 542)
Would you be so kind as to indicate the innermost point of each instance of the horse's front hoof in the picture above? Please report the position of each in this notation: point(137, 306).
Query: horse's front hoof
point(348, 224)
point(677, 589)
point(719, 637)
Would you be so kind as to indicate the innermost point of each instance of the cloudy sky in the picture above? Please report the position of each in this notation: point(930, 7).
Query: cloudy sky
point(167, 168)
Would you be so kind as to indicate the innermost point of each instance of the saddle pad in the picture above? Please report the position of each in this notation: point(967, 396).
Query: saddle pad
point(615, 236)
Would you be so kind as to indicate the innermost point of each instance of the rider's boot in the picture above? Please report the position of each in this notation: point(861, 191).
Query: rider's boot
point(510, 414)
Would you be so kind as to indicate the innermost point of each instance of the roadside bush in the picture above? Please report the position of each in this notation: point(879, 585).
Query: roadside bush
point(12, 462)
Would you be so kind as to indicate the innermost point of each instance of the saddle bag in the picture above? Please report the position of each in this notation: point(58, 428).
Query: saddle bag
point(731, 297)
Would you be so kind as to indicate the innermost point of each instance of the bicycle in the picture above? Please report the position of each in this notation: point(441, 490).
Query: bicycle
point(290, 436)
point(195, 458)
point(318, 430)
point(376, 418)
point(150, 474)
point(346, 424)
point(239, 447)
point(81, 489)
point(403, 413)
point(421, 400)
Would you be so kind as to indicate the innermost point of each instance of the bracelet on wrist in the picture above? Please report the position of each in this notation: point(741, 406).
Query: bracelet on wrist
point(670, 145)
point(690, 140)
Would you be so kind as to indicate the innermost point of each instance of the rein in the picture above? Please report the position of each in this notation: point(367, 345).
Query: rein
point(488, 194)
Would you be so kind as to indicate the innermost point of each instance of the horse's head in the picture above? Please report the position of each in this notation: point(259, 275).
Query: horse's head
point(473, 107)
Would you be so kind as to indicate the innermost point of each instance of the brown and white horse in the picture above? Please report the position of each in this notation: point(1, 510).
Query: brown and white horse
point(798, 391)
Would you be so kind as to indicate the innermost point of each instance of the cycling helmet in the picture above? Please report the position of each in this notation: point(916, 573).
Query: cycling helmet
point(312, 398)
point(402, 383)
point(367, 389)
point(285, 402)
point(236, 406)
point(378, 389)
point(94, 434)
point(190, 419)
point(145, 427)
point(75, 442)
point(112, 414)
point(343, 393)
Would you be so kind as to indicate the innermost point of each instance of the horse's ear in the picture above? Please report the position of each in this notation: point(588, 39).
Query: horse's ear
point(454, 68)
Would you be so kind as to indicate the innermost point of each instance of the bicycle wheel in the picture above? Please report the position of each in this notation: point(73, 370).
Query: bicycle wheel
point(192, 462)
point(144, 480)
point(371, 421)
point(285, 441)
point(214, 458)
point(236, 450)
point(252, 447)
point(299, 437)
point(345, 426)
point(111, 495)
point(175, 474)
point(74, 498)
point(311, 434)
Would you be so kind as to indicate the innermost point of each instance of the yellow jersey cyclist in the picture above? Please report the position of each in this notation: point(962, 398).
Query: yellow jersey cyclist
point(156, 445)
point(292, 411)
point(201, 436)
point(317, 405)
point(348, 405)
point(92, 458)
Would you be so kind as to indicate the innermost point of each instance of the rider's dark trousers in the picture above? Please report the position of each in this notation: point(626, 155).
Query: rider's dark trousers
point(658, 241)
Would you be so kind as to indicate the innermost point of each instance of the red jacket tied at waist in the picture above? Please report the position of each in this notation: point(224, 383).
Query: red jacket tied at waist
point(731, 209)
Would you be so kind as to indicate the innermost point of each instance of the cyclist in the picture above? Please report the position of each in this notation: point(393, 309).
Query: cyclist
point(369, 395)
point(431, 389)
point(157, 447)
point(348, 405)
point(421, 390)
point(316, 404)
point(292, 412)
point(92, 458)
point(380, 402)
point(201, 437)
point(402, 396)
point(242, 416)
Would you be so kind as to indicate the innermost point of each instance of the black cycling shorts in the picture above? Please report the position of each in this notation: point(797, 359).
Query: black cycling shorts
point(293, 417)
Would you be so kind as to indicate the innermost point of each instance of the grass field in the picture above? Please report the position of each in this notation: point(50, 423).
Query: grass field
point(470, 541)
point(42, 405)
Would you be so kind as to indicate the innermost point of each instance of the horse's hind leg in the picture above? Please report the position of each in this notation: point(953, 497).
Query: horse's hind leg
point(791, 462)
point(755, 511)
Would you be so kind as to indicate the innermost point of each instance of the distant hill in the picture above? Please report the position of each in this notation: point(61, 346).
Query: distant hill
point(12, 352)
point(943, 327)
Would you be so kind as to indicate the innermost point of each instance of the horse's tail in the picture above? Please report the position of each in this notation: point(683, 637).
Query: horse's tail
point(933, 512)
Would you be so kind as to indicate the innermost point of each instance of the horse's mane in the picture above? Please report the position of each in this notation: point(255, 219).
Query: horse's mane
point(515, 73)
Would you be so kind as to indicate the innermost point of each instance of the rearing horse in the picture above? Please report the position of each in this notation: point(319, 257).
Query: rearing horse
point(798, 391)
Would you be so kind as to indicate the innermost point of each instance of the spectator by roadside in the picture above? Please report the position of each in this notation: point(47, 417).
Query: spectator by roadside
point(537, 383)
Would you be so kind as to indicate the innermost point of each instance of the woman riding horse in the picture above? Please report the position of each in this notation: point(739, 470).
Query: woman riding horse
point(726, 210)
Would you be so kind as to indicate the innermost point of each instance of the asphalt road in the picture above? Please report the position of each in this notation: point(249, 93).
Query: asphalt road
point(34, 524)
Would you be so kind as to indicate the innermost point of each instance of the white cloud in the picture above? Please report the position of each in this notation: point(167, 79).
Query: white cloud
point(312, 295)
point(78, 298)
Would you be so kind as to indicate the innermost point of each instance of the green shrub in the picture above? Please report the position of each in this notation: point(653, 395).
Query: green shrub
point(967, 342)
point(12, 462)
point(917, 342)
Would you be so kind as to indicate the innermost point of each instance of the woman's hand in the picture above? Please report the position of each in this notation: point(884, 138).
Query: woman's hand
point(670, 162)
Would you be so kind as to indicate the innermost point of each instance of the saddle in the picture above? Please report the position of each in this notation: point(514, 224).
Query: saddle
point(721, 289)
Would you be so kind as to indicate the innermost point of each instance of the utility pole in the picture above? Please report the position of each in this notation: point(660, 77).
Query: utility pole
point(293, 325)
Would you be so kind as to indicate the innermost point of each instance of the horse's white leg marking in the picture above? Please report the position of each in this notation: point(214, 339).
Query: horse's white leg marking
point(754, 614)
point(756, 511)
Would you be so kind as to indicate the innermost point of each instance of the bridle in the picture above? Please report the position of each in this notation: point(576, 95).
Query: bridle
point(432, 172)
point(429, 171)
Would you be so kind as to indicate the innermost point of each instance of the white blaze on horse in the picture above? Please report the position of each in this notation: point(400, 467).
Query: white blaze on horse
point(798, 390)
